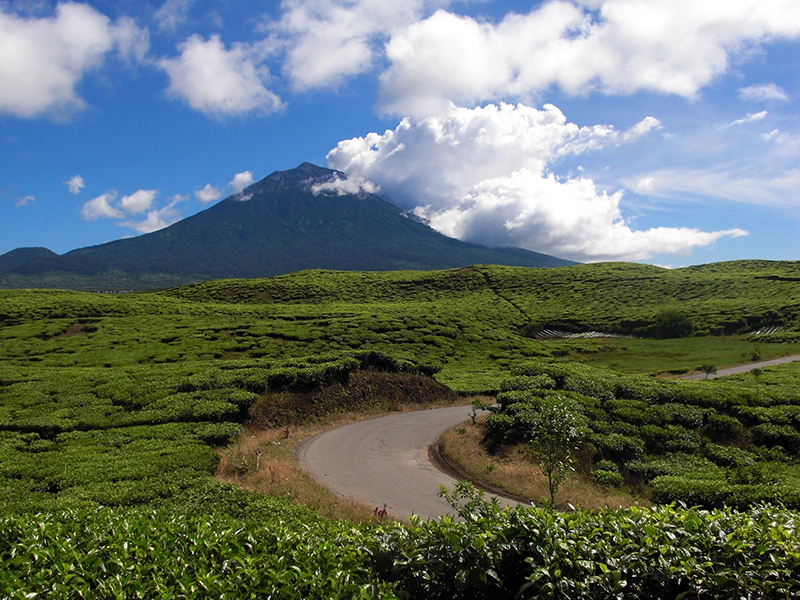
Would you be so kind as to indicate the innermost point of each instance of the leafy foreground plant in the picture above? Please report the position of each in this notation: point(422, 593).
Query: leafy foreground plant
point(220, 542)
point(665, 552)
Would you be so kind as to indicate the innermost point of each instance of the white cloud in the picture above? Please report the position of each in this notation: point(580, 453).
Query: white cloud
point(132, 41)
point(611, 46)
point(484, 175)
point(241, 181)
point(326, 41)
point(158, 219)
point(219, 81)
point(139, 201)
point(75, 184)
point(643, 127)
point(463, 148)
point(172, 14)
point(645, 184)
point(25, 201)
point(569, 219)
point(208, 194)
point(763, 92)
point(727, 182)
point(749, 118)
point(101, 207)
point(42, 60)
point(342, 186)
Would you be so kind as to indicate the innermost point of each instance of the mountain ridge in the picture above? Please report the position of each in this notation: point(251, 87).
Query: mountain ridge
point(277, 225)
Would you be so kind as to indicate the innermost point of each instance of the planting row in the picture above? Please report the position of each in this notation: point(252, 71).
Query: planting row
point(710, 443)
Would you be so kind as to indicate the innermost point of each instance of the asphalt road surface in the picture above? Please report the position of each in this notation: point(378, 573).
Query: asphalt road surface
point(385, 461)
point(744, 368)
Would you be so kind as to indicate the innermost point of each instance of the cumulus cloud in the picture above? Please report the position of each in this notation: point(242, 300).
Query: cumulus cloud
point(108, 206)
point(566, 218)
point(464, 148)
point(208, 194)
point(158, 219)
point(643, 127)
point(326, 41)
point(101, 207)
point(763, 92)
point(219, 81)
point(138, 202)
point(611, 46)
point(749, 118)
point(75, 184)
point(645, 184)
point(241, 181)
point(342, 186)
point(485, 175)
point(25, 201)
point(42, 59)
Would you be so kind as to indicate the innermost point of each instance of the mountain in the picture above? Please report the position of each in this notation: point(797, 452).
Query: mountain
point(16, 259)
point(278, 225)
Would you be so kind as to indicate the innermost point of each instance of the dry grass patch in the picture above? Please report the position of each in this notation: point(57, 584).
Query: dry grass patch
point(514, 470)
point(263, 460)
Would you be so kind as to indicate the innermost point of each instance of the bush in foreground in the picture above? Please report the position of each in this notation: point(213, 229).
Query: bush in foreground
point(266, 548)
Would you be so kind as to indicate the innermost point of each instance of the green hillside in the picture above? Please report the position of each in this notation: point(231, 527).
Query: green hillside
point(111, 406)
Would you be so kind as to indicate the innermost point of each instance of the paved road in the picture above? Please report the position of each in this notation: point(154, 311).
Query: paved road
point(385, 461)
point(744, 368)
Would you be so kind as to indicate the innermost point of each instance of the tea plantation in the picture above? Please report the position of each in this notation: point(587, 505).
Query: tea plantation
point(111, 407)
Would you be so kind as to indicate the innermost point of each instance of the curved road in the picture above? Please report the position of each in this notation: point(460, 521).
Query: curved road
point(385, 461)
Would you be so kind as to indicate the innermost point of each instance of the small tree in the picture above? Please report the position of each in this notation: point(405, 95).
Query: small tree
point(754, 354)
point(478, 404)
point(756, 374)
point(708, 369)
point(554, 429)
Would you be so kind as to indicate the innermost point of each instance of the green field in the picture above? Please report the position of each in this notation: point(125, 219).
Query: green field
point(111, 407)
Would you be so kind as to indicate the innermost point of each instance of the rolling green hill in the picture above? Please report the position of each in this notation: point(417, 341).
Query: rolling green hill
point(278, 225)
point(111, 406)
point(621, 298)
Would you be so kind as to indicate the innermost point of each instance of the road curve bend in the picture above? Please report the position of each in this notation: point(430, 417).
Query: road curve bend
point(385, 461)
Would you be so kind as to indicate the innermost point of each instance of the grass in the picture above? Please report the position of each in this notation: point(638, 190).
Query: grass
point(515, 471)
point(263, 460)
point(672, 355)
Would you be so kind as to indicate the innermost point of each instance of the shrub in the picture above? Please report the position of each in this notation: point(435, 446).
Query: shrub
point(723, 428)
point(606, 473)
point(672, 323)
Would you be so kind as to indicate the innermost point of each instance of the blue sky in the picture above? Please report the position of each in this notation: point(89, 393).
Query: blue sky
point(665, 132)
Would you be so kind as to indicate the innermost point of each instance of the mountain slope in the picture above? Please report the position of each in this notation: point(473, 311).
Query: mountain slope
point(279, 225)
point(14, 260)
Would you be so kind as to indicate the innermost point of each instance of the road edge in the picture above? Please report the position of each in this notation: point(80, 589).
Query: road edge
point(439, 459)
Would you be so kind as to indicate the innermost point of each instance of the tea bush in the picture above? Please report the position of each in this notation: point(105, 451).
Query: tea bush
point(645, 424)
